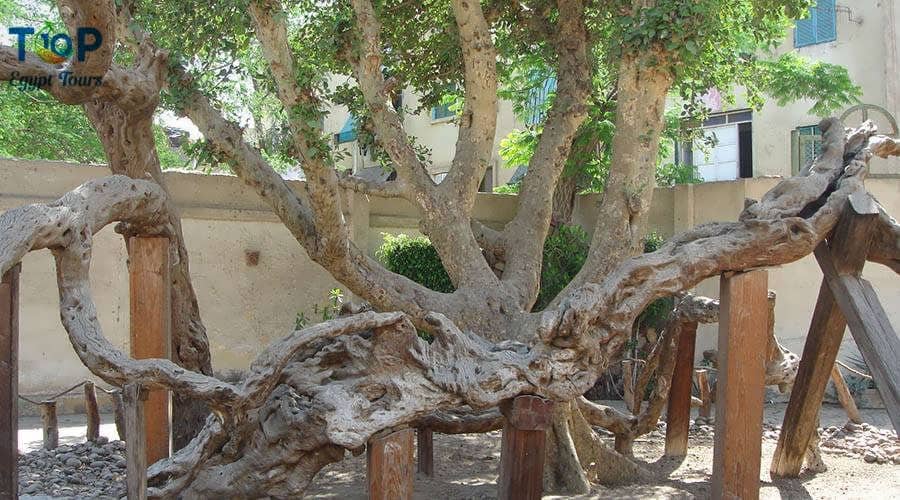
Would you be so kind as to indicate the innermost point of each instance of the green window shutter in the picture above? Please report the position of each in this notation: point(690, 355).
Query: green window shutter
point(826, 21)
point(805, 30)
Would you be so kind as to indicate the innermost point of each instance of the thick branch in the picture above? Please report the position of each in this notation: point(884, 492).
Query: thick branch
point(526, 233)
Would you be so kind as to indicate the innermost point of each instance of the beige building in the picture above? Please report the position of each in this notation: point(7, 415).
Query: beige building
point(774, 140)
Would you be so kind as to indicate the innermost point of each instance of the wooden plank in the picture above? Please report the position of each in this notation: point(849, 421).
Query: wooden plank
point(875, 337)
point(91, 411)
point(150, 290)
point(522, 447)
point(705, 394)
point(741, 385)
point(50, 425)
point(425, 450)
point(9, 383)
point(135, 442)
point(678, 413)
point(826, 331)
point(389, 466)
point(844, 396)
point(850, 239)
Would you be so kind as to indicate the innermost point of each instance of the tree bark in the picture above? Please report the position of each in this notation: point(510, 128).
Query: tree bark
point(128, 141)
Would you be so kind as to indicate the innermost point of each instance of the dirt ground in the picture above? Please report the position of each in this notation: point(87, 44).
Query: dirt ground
point(466, 467)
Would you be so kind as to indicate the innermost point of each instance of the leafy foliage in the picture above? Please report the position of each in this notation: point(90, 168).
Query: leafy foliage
point(329, 311)
point(565, 251)
point(415, 258)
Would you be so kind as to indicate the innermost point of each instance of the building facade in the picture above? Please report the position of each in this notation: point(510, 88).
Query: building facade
point(771, 141)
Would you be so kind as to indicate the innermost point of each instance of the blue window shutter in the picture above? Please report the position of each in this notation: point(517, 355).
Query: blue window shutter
point(441, 111)
point(348, 131)
point(805, 30)
point(536, 100)
point(826, 21)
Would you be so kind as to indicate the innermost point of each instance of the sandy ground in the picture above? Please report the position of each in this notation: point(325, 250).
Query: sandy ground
point(466, 466)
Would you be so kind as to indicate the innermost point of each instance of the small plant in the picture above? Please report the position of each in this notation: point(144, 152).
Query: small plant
point(329, 311)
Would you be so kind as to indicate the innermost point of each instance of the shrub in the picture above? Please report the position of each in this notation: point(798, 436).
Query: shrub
point(415, 258)
point(565, 251)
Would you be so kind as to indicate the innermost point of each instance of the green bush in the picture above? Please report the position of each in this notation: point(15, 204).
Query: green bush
point(415, 258)
point(565, 251)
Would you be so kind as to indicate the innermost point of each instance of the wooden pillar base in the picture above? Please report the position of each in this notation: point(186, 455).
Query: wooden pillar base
point(50, 424)
point(9, 383)
point(678, 414)
point(425, 451)
point(522, 449)
point(92, 411)
point(135, 442)
point(389, 466)
point(743, 338)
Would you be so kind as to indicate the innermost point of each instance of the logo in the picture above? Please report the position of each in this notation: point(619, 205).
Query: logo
point(56, 49)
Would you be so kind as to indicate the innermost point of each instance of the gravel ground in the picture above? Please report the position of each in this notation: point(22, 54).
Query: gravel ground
point(863, 462)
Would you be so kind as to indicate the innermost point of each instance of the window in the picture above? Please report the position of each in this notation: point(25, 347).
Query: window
point(441, 111)
point(819, 26)
point(726, 151)
point(535, 109)
point(807, 146)
point(348, 131)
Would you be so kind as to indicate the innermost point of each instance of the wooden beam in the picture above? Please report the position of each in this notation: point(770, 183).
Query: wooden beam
point(678, 412)
point(150, 287)
point(92, 411)
point(133, 397)
point(425, 450)
point(389, 466)
point(705, 394)
point(844, 396)
point(522, 448)
point(741, 385)
point(50, 425)
point(9, 383)
point(875, 337)
point(850, 240)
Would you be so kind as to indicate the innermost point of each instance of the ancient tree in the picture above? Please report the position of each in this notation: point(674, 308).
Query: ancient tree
point(326, 389)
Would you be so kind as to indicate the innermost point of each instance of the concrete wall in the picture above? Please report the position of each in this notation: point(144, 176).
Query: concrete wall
point(245, 308)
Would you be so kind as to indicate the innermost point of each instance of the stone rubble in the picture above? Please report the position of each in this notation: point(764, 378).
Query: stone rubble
point(864, 441)
point(84, 470)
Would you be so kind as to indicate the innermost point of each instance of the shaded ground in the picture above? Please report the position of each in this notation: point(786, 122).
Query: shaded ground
point(466, 467)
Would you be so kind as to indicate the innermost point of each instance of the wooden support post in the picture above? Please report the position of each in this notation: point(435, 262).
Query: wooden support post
point(522, 448)
point(135, 442)
point(9, 383)
point(678, 413)
point(119, 413)
point(150, 286)
point(849, 240)
point(92, 411)
point(741, 385)
point(425, 450)
point(844, 396)
point(705, 393)
point(631, 401)
point(390, 466)
point(50, 424)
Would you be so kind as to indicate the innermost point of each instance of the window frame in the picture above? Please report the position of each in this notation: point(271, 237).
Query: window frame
point(815, 12)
